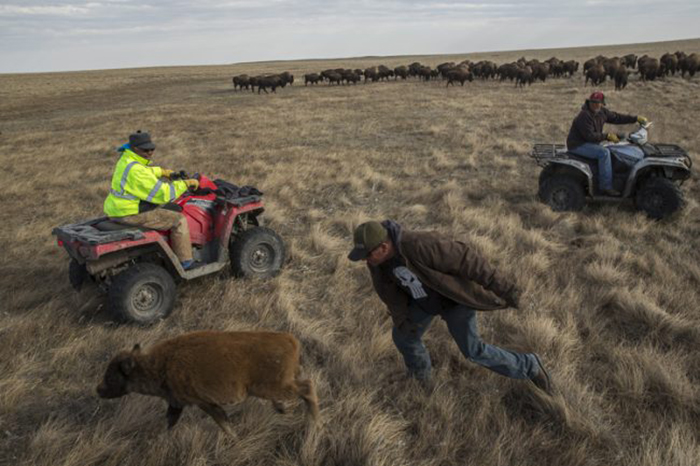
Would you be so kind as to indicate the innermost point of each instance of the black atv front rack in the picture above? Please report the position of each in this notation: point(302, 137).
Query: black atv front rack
point(667, 150)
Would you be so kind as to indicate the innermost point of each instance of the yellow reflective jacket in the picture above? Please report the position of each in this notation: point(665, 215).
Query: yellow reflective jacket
point(134, 181)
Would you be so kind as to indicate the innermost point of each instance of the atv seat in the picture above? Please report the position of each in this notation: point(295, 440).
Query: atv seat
point(580, 158)
point(618, 166)
point(111, 225)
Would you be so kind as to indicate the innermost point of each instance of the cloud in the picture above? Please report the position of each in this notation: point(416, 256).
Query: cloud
point(103, 33)
point(42, 10)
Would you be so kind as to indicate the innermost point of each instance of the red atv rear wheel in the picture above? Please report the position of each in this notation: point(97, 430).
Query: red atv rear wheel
point(143, 293)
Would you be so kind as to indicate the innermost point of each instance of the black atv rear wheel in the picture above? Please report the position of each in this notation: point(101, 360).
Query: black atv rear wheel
point(257, 252)
point(659, 198)
point(143, 294)
point(562, 193)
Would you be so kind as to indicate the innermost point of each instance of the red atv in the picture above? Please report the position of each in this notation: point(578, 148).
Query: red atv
point(138, 269)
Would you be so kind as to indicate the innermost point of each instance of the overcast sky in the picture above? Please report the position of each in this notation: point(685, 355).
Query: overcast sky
point(60, 35)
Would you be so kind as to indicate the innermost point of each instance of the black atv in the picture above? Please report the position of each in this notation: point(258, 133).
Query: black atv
point(651, 174)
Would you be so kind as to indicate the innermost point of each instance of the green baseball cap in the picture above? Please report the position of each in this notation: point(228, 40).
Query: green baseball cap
point(367, 236)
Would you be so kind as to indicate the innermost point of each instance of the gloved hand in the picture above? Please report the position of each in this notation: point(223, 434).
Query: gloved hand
point(512, 299)
point(612, 137)
point(166, 173)
point(192, 184)
point(642, 120)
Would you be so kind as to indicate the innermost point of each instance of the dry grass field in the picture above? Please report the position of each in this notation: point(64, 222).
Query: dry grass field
point(610, 298)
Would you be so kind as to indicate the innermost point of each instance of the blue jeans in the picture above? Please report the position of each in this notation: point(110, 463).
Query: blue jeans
point(461, 322)
point(602, 155)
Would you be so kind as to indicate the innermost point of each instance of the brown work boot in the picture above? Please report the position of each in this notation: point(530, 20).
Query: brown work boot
point(541, 380)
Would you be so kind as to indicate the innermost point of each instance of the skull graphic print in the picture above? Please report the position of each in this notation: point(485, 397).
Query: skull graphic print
point(410, 282)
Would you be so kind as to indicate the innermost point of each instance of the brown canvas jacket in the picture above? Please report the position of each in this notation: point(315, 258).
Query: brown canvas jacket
point(588, 126)
point(454, 269)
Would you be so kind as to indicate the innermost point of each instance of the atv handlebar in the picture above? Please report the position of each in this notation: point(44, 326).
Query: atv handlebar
point(181, 175)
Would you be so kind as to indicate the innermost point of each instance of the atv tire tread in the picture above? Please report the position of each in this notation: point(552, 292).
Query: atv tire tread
point(669, 201)
point(256, 252)
point(153, 282)
point(572, 197)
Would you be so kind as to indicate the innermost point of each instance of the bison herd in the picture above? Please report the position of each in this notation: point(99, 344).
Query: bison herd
point(521, 72)
point(598, 69)
point(263, 82)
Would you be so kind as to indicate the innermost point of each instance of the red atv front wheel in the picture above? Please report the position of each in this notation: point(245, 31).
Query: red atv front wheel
point(257, 252)
point(143, 293)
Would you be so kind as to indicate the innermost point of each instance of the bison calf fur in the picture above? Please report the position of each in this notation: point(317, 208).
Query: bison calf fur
point(209, 369)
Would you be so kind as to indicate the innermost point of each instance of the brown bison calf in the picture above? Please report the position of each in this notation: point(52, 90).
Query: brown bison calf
point(209, 369)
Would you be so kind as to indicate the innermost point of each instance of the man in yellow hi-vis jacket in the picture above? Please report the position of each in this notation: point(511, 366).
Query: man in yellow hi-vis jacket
point(138, 192)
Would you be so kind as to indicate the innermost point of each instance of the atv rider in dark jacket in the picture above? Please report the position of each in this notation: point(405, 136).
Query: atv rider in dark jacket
point(587, 132)
point(423, 274)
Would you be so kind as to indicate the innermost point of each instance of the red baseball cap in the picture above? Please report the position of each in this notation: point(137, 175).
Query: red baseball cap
point(597, 97)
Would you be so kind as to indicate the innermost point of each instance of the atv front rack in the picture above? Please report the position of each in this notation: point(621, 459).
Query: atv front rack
point(667, 150)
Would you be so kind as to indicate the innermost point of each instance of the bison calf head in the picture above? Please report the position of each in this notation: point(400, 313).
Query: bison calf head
point(116, 379)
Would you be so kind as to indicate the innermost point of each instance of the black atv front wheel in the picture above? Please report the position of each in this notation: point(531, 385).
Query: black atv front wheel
point(257, 252)
point(143, 293)
point(562, 193)
point(659, 198)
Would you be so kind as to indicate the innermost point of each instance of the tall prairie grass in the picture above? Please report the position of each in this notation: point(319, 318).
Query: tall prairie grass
point(610, 298)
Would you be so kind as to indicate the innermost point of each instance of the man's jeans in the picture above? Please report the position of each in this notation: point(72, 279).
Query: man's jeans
point(461, 322)
point(602, 155)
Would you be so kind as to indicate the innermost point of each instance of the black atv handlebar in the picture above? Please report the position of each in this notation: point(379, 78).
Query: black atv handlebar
point(181, 175)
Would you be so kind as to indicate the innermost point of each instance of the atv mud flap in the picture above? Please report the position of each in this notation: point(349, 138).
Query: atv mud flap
point(77, 273)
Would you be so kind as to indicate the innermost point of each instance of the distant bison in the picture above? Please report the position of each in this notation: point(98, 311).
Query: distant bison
point(508, 71)
point(287, 78)
point(540, 71)
point(270, 82)
point(241, 81)
point(649, 68)
point(401, 71)
point(621, 78)
point(333, 77)
point(384, 73)
point(690, 64)
point(312, 78)
point(460, 75)
point(349, 76)
point(596, 74)
point(524, 76)
point(611, 66)
point(425, 73)
point(209, 369)
point(443, 68)
point(570, 67)
point(630, 60)
point(670, 62)
point(371, 73)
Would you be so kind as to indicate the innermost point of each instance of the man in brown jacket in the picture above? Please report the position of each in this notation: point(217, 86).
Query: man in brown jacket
point(422, 274)
point(586, 134)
